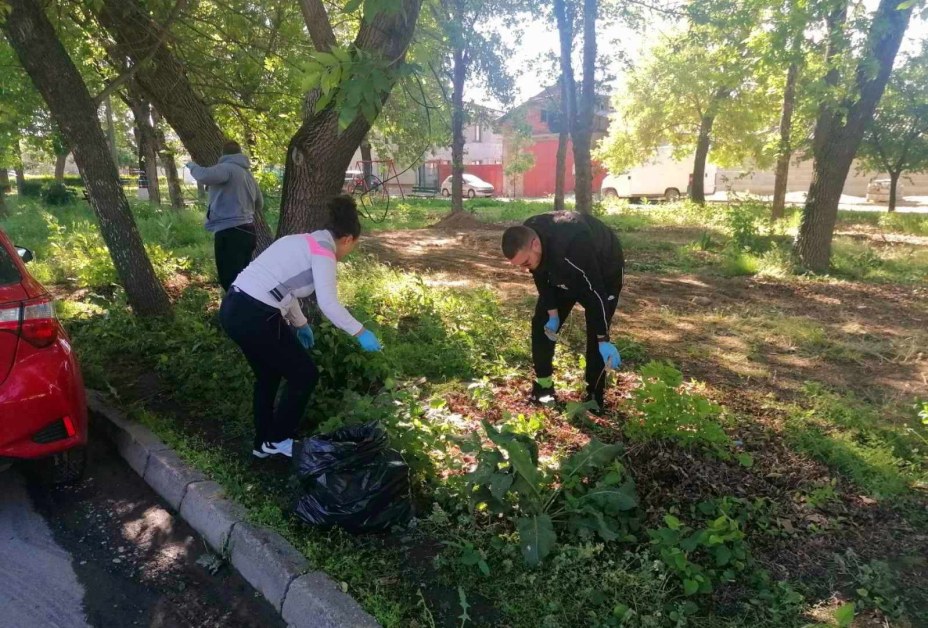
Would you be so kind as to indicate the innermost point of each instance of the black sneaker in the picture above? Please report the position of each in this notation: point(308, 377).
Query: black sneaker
point(543, 396)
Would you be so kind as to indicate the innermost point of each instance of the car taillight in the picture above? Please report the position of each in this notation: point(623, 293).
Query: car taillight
point(9, 317)
point(36, 322)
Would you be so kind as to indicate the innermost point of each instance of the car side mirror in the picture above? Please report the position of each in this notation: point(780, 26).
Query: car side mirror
point(25, 254)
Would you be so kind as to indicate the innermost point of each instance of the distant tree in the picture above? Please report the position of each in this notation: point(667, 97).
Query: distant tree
point(897, 139)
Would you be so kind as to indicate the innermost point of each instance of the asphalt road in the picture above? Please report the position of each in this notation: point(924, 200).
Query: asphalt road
point(107, 552)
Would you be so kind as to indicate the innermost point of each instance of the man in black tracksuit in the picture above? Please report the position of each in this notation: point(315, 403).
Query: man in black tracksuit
point(573, 258)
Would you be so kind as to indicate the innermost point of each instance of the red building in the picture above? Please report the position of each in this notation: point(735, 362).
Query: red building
point(541, 114)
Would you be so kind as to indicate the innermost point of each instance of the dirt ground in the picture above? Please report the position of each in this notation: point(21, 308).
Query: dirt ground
point(683, 316)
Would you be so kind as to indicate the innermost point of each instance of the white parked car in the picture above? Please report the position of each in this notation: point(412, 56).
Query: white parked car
point(661, 178)
point(471, 186)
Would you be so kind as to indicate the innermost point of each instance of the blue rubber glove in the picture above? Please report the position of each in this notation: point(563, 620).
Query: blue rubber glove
point(188, 164)
point(552, 326)
point(610, 355)
point(369, 341)
point(305, 335)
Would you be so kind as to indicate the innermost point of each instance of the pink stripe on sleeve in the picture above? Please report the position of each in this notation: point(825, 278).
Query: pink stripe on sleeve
point(317, 249)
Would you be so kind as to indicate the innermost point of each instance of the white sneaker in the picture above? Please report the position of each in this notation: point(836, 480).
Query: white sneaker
point(283, 448)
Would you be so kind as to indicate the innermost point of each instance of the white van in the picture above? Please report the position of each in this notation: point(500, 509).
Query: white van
point(662, 177)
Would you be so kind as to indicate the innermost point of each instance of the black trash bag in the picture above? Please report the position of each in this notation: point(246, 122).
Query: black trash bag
point(351, 479)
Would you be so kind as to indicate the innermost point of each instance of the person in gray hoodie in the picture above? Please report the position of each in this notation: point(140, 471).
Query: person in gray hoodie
point(234, 197)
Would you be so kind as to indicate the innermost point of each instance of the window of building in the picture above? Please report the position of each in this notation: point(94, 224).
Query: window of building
point(478, 133)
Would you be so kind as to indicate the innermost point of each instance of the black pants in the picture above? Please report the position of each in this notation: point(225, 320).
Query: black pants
point(234, 248)
point(274, 353)
point(543, 348)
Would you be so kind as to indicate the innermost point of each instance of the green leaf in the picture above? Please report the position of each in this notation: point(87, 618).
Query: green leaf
point(845, 615)
point(352, 5)
point(746, 460)
point(722, 555)
point(536, 537)
point(614, 499)
point(519, 455)
point(672, 522)
point(594, 454)
point(690, 587)
point(499, 484)
point(906, 5)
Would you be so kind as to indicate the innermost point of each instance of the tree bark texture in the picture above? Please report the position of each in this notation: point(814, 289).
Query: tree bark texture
point(110, 129)
point(319, 153)
point(458, 77)
point(698, 185)
point(147, 145)
point(837, 134)
point(45, 60)
point(893, 186)
point(4, 179)
point(586, 110)
point(568, 104)
point(785, 152)
point(168, 162)
point(20, 178)
point(61, 159)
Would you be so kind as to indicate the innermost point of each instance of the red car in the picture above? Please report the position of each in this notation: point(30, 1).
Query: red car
point(43, 409)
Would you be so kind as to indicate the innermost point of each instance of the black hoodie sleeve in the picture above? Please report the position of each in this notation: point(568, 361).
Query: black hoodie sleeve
point(587, 280)
point(546, 294)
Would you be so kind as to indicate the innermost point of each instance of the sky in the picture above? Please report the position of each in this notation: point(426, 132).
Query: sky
point(540, 38)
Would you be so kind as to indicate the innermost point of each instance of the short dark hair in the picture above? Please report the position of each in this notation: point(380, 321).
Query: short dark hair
point(343, 217)
point(517, 238)
point(231, 147)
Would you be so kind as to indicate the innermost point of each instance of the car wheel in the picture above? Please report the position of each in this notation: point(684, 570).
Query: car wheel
point(671, 195)
point(610, 193)
point(445, 192)
point(66, 467)
point(471, 193)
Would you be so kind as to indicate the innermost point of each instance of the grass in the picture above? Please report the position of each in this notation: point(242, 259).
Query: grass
point(460, 562)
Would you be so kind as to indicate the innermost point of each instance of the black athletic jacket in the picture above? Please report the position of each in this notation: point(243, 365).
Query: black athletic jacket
point(581, 259)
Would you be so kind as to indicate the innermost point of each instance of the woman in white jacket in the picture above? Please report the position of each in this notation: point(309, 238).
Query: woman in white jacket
point(262, 311)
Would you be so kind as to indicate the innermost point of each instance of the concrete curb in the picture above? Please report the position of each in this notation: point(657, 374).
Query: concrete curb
point(304, 598)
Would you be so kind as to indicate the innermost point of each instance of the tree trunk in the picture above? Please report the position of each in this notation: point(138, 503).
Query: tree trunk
point(111, 130)
point(698, 185)
point(893, 185)
point(367, 161)
point(164, 80)
point(45, 60)
point(61, 159)
point(175, 189)
point(560, 169)
point(4, 186)
point(568, 98)
point(20, 177)
point(586, 109)
point(147, 144)
point(319, 151)
point(838, 133)
point(785, 150)
point(459, 75)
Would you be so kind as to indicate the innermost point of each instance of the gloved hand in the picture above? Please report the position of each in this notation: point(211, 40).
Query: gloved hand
point(305, 335)
point(610, 355)
point(188, 164)
point(552, 326)
point(369, 341)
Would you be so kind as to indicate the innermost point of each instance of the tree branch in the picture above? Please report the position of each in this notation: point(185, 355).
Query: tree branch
point(318, 24)
point(128, 74)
